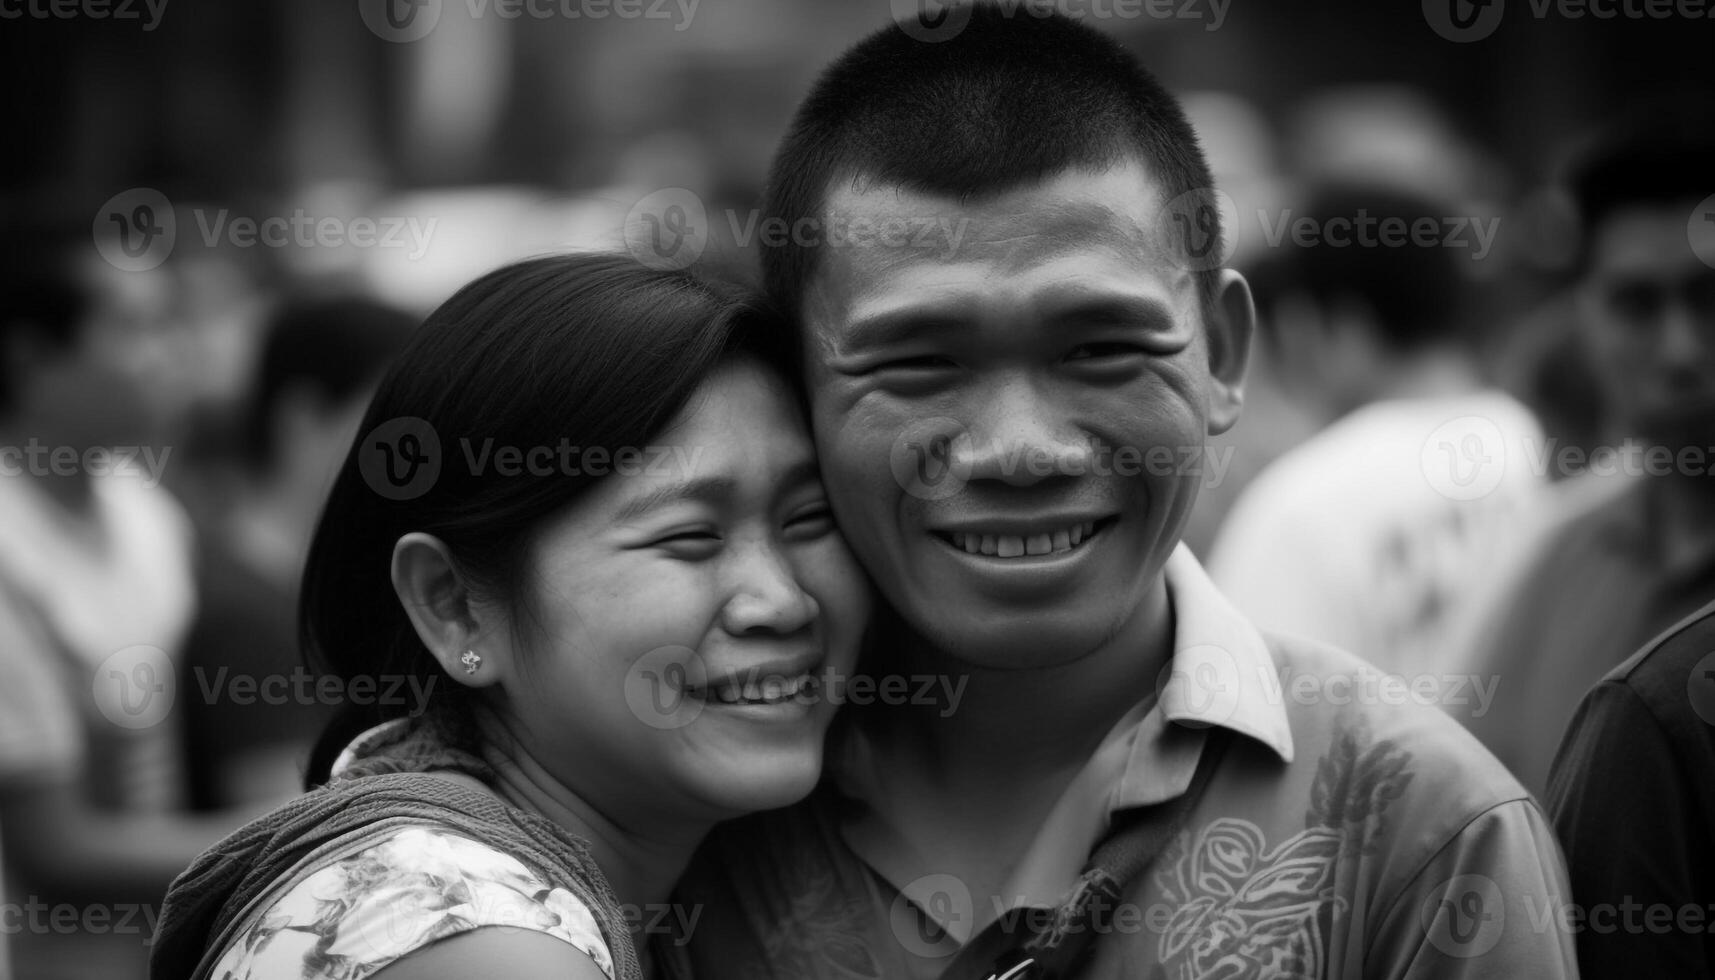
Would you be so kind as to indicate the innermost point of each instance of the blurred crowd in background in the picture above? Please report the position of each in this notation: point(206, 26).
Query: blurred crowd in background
point(221, 220)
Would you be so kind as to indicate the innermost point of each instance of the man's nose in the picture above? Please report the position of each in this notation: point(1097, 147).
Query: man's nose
point(1021, 437)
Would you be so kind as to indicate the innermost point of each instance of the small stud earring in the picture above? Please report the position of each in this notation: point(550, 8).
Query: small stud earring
point(471, 660)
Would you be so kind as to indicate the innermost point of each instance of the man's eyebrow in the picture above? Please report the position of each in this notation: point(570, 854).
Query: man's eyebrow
point(899, 326)
point(709, 488)
point(1101, 311)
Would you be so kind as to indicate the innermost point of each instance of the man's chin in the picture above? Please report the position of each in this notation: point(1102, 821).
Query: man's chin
point(1015, 642)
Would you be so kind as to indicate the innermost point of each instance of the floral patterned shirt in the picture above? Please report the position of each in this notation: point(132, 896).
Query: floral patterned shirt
point(348, 915)
point(1349, 832)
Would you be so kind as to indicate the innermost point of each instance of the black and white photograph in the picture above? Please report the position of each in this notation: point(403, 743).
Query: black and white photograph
point(857, 489)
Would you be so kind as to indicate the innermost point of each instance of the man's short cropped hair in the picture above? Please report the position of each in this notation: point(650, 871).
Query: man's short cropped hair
point(1015, 96)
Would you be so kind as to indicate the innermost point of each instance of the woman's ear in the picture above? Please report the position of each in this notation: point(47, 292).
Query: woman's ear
point(439, 605)
point(1229, 335)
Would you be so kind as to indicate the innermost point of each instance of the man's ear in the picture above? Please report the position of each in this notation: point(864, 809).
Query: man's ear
point(1228, 333)
point(439, 605)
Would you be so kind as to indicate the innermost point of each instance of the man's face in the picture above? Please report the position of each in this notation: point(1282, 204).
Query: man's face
point(1010, 427)
point(1648, 310)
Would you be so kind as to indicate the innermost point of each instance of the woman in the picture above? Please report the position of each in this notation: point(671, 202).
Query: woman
point(585, 518)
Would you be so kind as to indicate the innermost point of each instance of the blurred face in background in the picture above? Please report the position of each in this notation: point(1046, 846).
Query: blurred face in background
point(111, 387)
point(1647, 306)
point(972, 404)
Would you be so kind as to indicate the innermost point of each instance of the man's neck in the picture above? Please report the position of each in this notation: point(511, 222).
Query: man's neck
point(1019, 727)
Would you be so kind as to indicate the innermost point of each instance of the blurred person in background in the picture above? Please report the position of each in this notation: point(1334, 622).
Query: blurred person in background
point(319, 360)
point(96, 593)
point(1632, 803)
point(1612, 575)
point(1360, 537)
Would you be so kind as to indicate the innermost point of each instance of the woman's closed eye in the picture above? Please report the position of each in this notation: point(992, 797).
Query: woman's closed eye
point(810, 521)
point(691, 543)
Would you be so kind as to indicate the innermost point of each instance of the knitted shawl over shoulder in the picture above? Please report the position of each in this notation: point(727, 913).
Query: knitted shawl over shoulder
point(388, 783)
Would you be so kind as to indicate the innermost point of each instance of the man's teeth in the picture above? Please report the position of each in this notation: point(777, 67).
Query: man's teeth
point(1015, 545)
point(768, 690)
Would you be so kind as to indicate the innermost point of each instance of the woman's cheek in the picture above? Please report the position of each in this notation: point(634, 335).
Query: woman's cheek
point(832, 576)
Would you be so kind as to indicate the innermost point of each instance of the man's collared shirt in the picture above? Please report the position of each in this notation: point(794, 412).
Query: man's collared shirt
point(1352, 830)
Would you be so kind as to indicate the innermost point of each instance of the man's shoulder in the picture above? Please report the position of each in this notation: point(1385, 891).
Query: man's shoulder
point(1340, 705)
point(1673, 675)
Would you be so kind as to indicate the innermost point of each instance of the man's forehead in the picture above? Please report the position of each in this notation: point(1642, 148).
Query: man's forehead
point(1121, 202)
point(889, 238)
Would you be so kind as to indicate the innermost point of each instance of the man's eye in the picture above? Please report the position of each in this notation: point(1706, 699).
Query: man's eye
point(1106, 349)
point(925, 362)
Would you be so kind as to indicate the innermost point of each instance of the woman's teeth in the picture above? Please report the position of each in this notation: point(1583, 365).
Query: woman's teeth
point(768, 690)
point(1018, 545)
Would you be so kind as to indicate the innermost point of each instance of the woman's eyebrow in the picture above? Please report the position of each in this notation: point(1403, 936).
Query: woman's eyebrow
point(707, 489)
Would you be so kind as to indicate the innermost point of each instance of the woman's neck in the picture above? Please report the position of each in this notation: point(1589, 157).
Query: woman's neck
point(642, 868)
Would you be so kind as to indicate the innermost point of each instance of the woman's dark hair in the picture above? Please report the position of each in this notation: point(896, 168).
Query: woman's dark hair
point(589, 351)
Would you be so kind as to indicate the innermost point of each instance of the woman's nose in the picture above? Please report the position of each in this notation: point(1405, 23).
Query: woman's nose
point(766, 596)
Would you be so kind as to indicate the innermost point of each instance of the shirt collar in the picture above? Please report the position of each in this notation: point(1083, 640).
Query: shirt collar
point(1222, 671)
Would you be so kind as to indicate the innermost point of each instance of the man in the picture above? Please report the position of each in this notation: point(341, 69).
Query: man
point(1004, 424)
point(1372, 535)
point(1639, 755)
point(1643, 556)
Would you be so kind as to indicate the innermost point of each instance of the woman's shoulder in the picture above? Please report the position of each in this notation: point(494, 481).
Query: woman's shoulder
point(353, 913)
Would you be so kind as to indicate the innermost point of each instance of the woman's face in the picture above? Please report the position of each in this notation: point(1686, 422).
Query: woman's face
point(676, 612)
